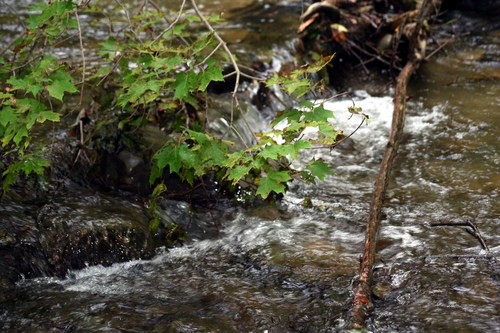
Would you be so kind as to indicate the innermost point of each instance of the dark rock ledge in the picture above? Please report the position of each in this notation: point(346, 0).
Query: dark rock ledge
point(68, 233)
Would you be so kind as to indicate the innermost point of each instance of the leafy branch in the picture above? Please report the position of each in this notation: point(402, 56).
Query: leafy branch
point(150, 72)
point(265, 166)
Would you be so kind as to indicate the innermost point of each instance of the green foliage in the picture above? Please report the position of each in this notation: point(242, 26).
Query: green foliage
point(153, 205)
point(28, 164)
point(33, 80)
point(159, 71)
point(265, 165)
point(319, 169)
point(297, 82)
point(149, 73)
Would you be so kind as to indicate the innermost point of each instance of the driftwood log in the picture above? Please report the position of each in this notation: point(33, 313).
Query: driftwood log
point(362, 288)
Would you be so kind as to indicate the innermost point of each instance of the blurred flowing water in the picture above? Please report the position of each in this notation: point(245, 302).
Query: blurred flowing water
point(286, 268)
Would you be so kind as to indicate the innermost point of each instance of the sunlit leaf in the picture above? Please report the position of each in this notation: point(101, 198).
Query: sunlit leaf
point(238, 172)
point(319, 169)
point(318, 114)
point(274, 182)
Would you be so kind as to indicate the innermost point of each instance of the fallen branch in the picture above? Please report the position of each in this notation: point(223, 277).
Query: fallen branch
point(439, 48)
point(471, 229)
point(362, 288)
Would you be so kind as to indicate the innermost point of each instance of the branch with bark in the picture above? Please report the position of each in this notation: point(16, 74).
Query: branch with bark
point(362, 302)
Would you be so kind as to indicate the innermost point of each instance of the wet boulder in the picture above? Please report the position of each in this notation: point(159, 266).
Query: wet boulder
point(20, 253)
point(92, 230)
point(69, 232)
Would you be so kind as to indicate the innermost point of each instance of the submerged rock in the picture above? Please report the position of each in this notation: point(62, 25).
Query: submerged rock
point(68, 233)
point(20, 252)
point(76, 234)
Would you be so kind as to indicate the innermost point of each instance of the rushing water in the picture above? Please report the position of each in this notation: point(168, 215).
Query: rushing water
point(287, 268)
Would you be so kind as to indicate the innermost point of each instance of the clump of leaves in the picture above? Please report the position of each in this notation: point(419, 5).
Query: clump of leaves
point(32, 86)
point(150, 73)
point(265, 166)
point(146, 71)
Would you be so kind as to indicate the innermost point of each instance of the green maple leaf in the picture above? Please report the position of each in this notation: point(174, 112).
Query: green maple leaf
point(184, 84)
point(237, 173)
point(26, 83)
point(7, 115)
point(61, 83)
point(179, 159)
point(199, 137)
point(212, 73)
point(293, 115)
point(274, 182)
point(34, 89)
point(189, 158)
point(275, 79)
point(35, 164)
point(272, 151)
point(297, 146)
point(215, 152)
point(154, 174)
point(328, 131)
point(109, 48)
point(168, 155)
point(202, 42)
point(319, 169)
point(233, 159)
point(317, 66)
point(21, 133)
point(298, 86)
point(47, 115)
point(275, 151)
point(47, 63)
point(318, 114)
point(136, 91)
point(166, 64)
point(28, 164)
point(306, 104)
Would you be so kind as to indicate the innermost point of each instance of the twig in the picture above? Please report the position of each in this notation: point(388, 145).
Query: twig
point(351, 134)
point(210, 55)
point(170, 195)
point(116, 62)
point(174, 22)
point(165, 17)
point(427, 58)
point(226, 49)
point(471, 229)
point(12, 42)
point(26, 63)
point(335, 96)
point(376, 56)
point(84, 65)
point(234, 101)
point(130, 24)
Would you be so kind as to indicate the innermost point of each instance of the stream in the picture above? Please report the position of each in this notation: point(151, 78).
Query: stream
point(283, 267)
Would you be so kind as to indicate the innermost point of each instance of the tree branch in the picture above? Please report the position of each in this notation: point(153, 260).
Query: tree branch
point(84, 65)
point(362, 287)
point(471, 228)
point(225, 48)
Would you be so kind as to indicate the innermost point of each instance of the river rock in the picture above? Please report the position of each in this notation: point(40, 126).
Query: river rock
point(70, 232)
point(92, 230)
point(20, 252)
